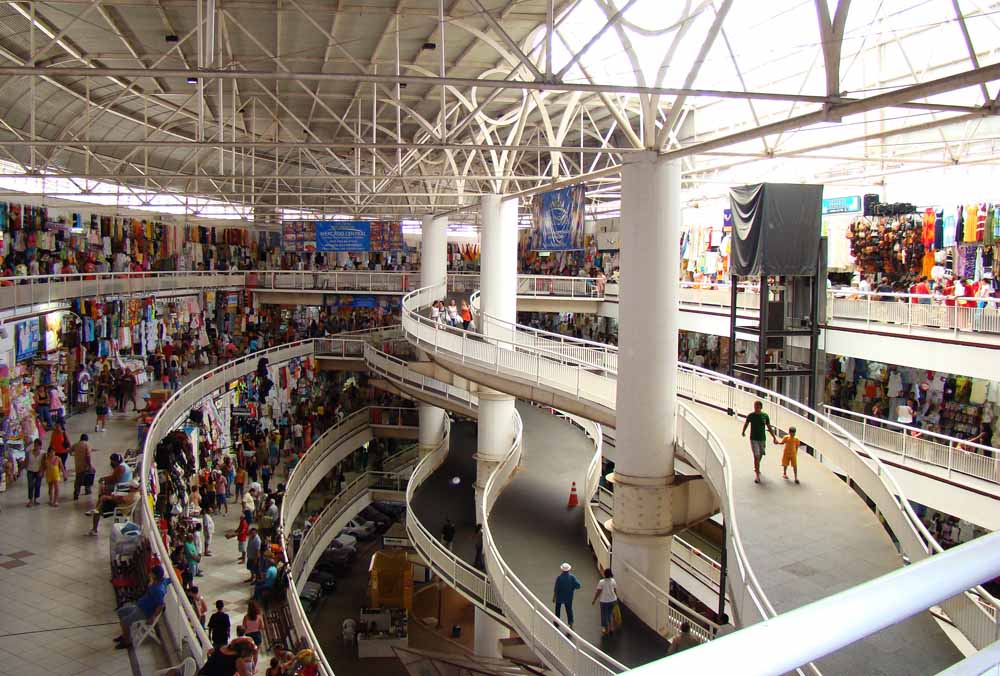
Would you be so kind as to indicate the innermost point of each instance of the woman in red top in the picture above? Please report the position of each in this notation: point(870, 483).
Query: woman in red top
point(242, 533)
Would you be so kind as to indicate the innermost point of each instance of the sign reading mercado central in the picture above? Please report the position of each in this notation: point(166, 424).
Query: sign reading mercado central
point(557, 219)
point(343, 236)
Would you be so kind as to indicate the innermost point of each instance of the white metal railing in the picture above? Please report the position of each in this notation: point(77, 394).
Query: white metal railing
point(974, 613)
point(683, 554)
point(466, 579)
point(326, 451)
point(899, 310)
point(395, 369)
point(340, 509)
point(934, 311)
point(668, 611)
point(823, 627)
point(180, 617)
point(588, 288)
point(986, 662)
point(912, 443)
point(547, 635)
point(25, 293)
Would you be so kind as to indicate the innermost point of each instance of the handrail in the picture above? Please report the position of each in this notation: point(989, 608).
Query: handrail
point(463, 577)
point(554, 370)
point(809, 633)
point(910, 429)
point(550, 638)
point(333, 511)
point(181, 616)
point(304, 473)
point(979, 461)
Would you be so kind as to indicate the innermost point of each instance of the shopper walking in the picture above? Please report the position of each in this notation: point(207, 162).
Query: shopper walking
point(607, 594)
point(562, 594)
point(789, 456)
point(760, 425)
point(35, 462)
point(253, 623)
point(242, 535)
point(219, 626)
point(448, 534)
point(101, 409)
point(55, 470)
point(83, 465)
point(59, 443)
point(466, 314)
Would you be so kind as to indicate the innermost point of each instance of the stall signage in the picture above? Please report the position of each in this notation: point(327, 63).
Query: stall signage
point(388, 541)
point(343, 236)
point(240, 411)
point(26, 337)
point(841, 205)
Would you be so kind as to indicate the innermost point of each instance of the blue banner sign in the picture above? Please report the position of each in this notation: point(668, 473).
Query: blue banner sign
point(26, 337)
point(841, 205)
point(343, 236)
point(557, 220)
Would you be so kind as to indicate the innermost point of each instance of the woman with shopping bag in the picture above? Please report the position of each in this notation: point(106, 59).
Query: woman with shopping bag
point(607, 594)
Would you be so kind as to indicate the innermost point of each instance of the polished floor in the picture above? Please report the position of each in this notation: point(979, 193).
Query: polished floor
point(58, 606)
point(809, 540)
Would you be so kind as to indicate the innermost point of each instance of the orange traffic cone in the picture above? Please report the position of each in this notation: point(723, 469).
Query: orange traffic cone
point(573, 499)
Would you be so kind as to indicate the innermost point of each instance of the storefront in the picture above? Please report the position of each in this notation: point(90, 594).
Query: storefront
point(956, 406)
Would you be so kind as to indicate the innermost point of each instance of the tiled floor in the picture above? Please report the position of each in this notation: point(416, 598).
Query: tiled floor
point(56, 602)
point(56, 599)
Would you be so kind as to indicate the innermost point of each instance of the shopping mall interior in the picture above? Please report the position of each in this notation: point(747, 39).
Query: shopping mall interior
point(475, 337)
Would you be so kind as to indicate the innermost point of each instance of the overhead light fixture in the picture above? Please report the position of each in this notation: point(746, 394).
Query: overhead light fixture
point(192, 80)
point(430, 46)
point(172, 38)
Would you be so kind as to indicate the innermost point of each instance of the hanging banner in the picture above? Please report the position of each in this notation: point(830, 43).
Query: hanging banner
point(26, 338)
point(363, 301)
point(343, 236)
point(557, 220)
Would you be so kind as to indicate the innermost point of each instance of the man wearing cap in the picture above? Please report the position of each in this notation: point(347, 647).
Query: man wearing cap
point(562, 595)
point(146, 608)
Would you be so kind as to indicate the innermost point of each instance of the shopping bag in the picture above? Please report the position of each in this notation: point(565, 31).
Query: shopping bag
point(616, 616)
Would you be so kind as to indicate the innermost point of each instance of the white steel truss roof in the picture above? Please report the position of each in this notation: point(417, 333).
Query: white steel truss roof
point(398, 108)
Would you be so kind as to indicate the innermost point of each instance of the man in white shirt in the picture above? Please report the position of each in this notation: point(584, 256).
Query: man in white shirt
point(297, 433)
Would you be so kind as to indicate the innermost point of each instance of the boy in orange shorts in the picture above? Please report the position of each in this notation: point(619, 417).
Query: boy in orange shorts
point(790, 455)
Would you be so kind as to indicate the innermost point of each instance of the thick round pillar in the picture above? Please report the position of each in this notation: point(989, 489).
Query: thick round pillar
point(433, 269)
point(498, 278)
point(646, 403)
point(433, 250)
point(498, 300)
point(488, 635)
point(431, 423)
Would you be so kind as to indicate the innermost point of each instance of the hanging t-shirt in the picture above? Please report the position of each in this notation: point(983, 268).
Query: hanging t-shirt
point(971, 220)
point(950, 231)
point(980, 387)
point(927, 232)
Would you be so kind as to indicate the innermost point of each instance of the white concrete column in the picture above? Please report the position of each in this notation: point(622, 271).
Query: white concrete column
point(433, 268)
point(498, 299)
point(498, 278)
point(647, 370)
point(433, 250)
point(488, 635)
point(431, 423)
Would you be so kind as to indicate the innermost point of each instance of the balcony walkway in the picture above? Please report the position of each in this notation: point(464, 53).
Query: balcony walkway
point(814, 539)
